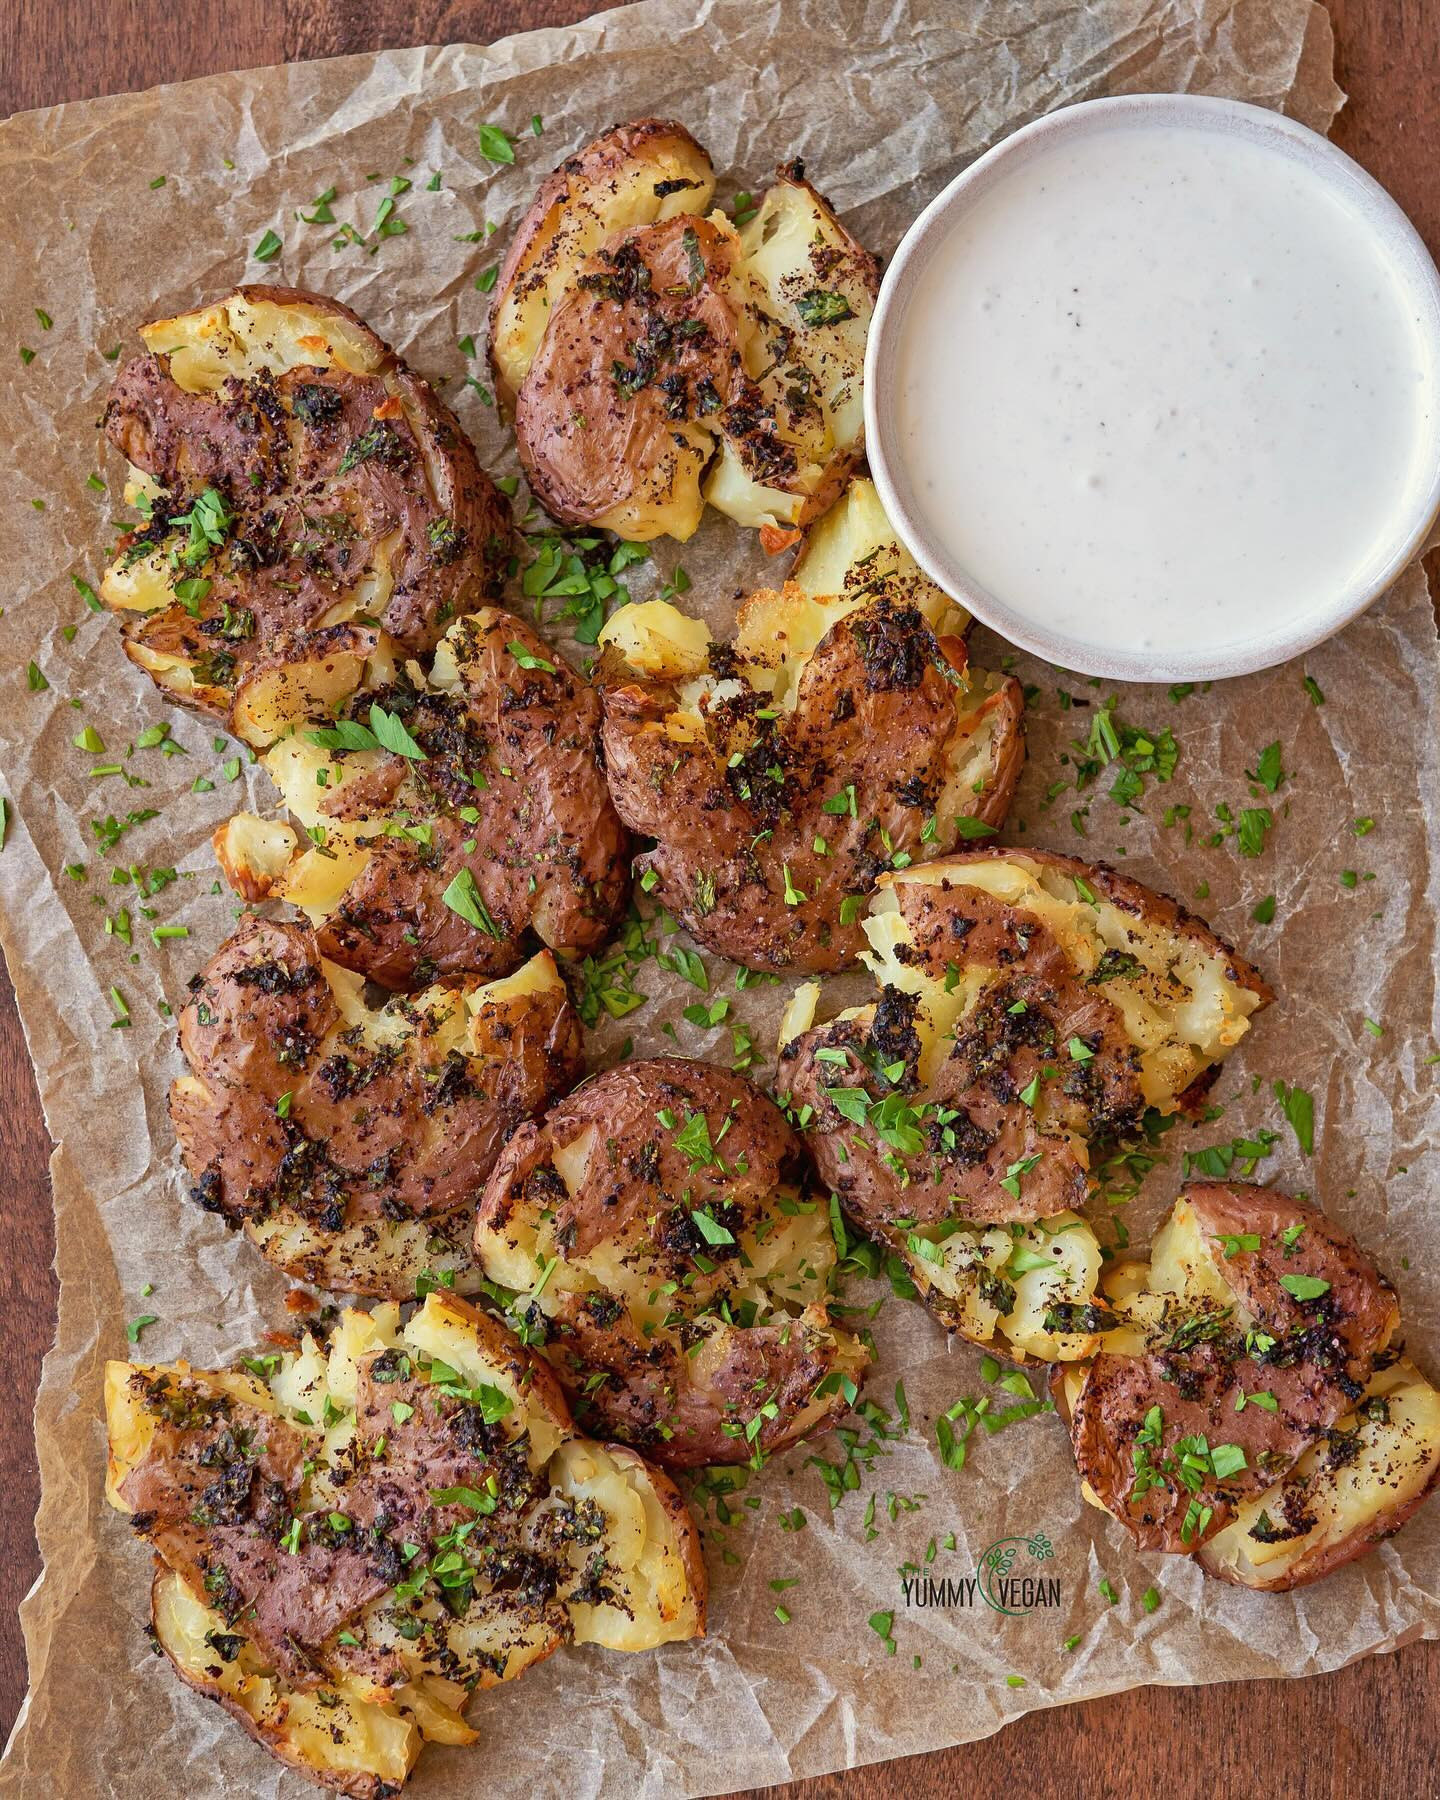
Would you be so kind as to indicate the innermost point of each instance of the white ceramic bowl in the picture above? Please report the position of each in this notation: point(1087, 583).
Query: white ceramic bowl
point(1395, 238)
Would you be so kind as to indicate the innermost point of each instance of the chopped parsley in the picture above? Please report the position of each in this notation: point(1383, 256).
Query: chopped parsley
point(1298, 1106)
point(527, 659)
point(1269, 771)
point(464, 898)
point(822, 306)
point(495, 145)
point(581, 574)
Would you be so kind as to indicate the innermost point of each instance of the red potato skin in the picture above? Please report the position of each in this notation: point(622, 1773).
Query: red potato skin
point(546, 846)
point(273, 1028)
point(590, 443)
point(1325, 1353)
point(543, 1390)
point(639, 1189)
point(997, 1054)
point(622, 1187)
point(586, 444)
point(278, 470)
point(1361, 1306)
point(291, 1603)
point(645, 1391)
point(874, 710)
point(531, 257)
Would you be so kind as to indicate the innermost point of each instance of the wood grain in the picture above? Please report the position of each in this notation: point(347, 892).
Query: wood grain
point(1368, 1728)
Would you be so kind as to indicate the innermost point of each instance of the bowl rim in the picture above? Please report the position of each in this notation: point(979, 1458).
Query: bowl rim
point(1398, 240)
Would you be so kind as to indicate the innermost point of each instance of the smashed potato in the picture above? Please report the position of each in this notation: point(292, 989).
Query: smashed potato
point(660, 359)
point(837, 736)
point(482, 824)
point(1032, 1006)
point(352, 1144)
point(654, 1227)
point(353, 1536)
point(1247, 1404)
point(309, 508)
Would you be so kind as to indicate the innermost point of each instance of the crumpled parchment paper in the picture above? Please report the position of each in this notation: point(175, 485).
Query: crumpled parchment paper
point(885, 102)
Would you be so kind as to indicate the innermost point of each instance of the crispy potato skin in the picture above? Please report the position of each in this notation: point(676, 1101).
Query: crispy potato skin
point(587, 184)
point(292, 1604)
point(993, 1132)
point(641, 349)
point(635, 1205)
point(547, 850)
point(646, 346)
point(1324, 1352)
point(876, 711)
point(275, 447)
point(264, 1022)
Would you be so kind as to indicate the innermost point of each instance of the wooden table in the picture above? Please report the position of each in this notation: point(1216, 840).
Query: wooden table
point(1373, 1727)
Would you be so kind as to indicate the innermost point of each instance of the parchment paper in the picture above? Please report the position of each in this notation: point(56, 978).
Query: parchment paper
point(885, 103)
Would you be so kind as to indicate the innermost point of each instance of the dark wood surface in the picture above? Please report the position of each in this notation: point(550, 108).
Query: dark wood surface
point(1372, 1728)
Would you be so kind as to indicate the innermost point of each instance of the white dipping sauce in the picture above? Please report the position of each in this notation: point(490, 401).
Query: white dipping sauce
point(1159, 385)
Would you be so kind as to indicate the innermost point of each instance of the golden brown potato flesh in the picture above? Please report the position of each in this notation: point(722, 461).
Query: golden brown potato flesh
point(352, 1143)
point(615, 420)
point(636, 174)
point(655, 1226)
point(651, 350)
point(1248, 1403)
point(782, 774)
point(334, 1736)
point(292, 475)
point(353, 1535)
point(852, 554)
point(793, 434)
point(1031, 1006)
point(489, 828)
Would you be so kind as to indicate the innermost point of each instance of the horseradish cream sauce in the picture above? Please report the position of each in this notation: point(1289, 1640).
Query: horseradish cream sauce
point(1161, 387)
